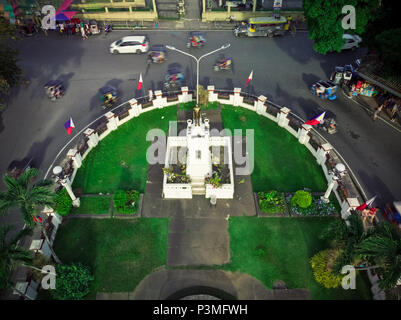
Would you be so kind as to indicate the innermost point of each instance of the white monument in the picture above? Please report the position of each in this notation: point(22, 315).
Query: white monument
point(198, 160)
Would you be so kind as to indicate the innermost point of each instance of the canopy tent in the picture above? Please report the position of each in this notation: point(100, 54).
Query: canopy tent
point(64, 6)
point(65, 15)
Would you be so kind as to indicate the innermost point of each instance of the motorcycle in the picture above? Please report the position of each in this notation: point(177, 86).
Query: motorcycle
point(107, 29)
point(108, 95)
point(54, 90)
point(224, 64)
point(196, 39)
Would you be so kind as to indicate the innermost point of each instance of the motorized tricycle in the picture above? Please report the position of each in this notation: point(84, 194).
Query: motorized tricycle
point(108, 95)
point(157, 54)
point(223, 64)
point(324, 89)
point(54, 89)
point(173, 79)
point(196, 39)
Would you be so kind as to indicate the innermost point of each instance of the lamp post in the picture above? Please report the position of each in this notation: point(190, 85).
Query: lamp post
point(225, 46)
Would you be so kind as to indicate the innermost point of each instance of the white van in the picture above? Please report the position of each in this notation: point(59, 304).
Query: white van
point(132, 44)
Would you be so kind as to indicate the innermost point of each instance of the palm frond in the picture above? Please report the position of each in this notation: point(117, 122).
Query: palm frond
point(25, 178)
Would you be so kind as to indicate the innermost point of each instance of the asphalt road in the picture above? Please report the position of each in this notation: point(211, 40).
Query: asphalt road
point(284, 68)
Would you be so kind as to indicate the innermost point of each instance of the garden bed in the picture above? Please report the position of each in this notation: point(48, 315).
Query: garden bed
point(271, 204)
point(318, 208)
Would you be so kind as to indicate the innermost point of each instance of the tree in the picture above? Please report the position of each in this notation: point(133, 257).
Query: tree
point(345, 238)
point(72, 282)
point(324, 19)
point(383, 249)
point(203, 96)
point(388, 45)
point(22, 194)
point(10, 73)
point(12, 255)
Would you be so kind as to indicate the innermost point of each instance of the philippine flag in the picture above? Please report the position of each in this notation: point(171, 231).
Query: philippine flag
point(249, 78)
point(69, 125)
point(140, 82)
point(366, 204)
point(316, 120)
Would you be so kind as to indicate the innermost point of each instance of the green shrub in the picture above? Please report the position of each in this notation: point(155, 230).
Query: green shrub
point(302, 199)
point(72, 282)
point(321, 265)
point(62, 202)
point(271, 202)
point(126, 201)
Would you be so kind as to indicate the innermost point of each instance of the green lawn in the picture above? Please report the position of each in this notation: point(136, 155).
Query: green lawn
point(119, 160)
point(120, 253)
point(280, 249)
point(92, 205)
point(281, 162)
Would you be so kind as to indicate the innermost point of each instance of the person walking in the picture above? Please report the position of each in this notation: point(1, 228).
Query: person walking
point(377, 111)
point(84, 36)
point(150, 95)
point(394, 110)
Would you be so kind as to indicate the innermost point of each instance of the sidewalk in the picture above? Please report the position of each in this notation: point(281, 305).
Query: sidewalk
point(195, 24)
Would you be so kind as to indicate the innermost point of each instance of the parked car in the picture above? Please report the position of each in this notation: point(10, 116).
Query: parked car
point(131, 44)
point(352, 41)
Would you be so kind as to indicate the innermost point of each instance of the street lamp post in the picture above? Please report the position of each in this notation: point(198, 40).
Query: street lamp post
point(197, 63)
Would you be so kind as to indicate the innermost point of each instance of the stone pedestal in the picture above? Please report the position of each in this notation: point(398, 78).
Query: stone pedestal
point(212, 95)
point(347, 205)
point(323, 150)
point(282, 119)
point(260, 105)
point(76, 157)
point(135, 108)
point(184, 96)
point(303, 133)
point(236, 98)
point(112, 121)
point(159, 101)
point(93, 138)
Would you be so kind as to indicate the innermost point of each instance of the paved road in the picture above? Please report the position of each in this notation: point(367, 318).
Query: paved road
point(284, 68)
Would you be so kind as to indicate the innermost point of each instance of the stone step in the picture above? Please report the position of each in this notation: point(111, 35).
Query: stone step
point(198, 191)
point(167, 6)
point(168, 14)
point(197, 183)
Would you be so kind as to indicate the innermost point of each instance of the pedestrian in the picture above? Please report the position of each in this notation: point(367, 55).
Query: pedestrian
point(377, 111)
point(69, 29)
point(84, 36)
point(150, 95)
point(44, 30)
point(231, 19)
point(156, 24)
point(62, 28)
point(394, 111)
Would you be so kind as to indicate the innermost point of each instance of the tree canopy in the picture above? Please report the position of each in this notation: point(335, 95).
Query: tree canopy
point(324, 19)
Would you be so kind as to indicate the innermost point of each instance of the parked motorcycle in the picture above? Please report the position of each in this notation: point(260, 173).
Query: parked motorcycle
point(223, 64)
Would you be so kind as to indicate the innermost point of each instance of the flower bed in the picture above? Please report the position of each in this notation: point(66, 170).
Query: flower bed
point(317, 208)
point(272, 202)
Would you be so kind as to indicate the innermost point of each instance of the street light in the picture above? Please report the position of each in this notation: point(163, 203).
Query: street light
point(225, 46)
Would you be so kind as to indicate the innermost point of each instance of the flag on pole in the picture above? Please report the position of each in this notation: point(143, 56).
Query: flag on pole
point(37, 219)
point(69, 125)
point(316, 120)
point(366, 204)
point(140, 82)
point(249, 78)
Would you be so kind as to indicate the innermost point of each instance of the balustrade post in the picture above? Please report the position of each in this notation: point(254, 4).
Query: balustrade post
point(303, 133)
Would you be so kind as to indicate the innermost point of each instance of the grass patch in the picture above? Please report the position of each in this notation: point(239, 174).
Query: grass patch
point(92, 205)
point(191, 105)
point(280, 249)
point(119, 160)
point(120, 253)
point(281, 162)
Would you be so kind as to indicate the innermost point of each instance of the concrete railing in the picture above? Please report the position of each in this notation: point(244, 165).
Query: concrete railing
point(210, 16)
